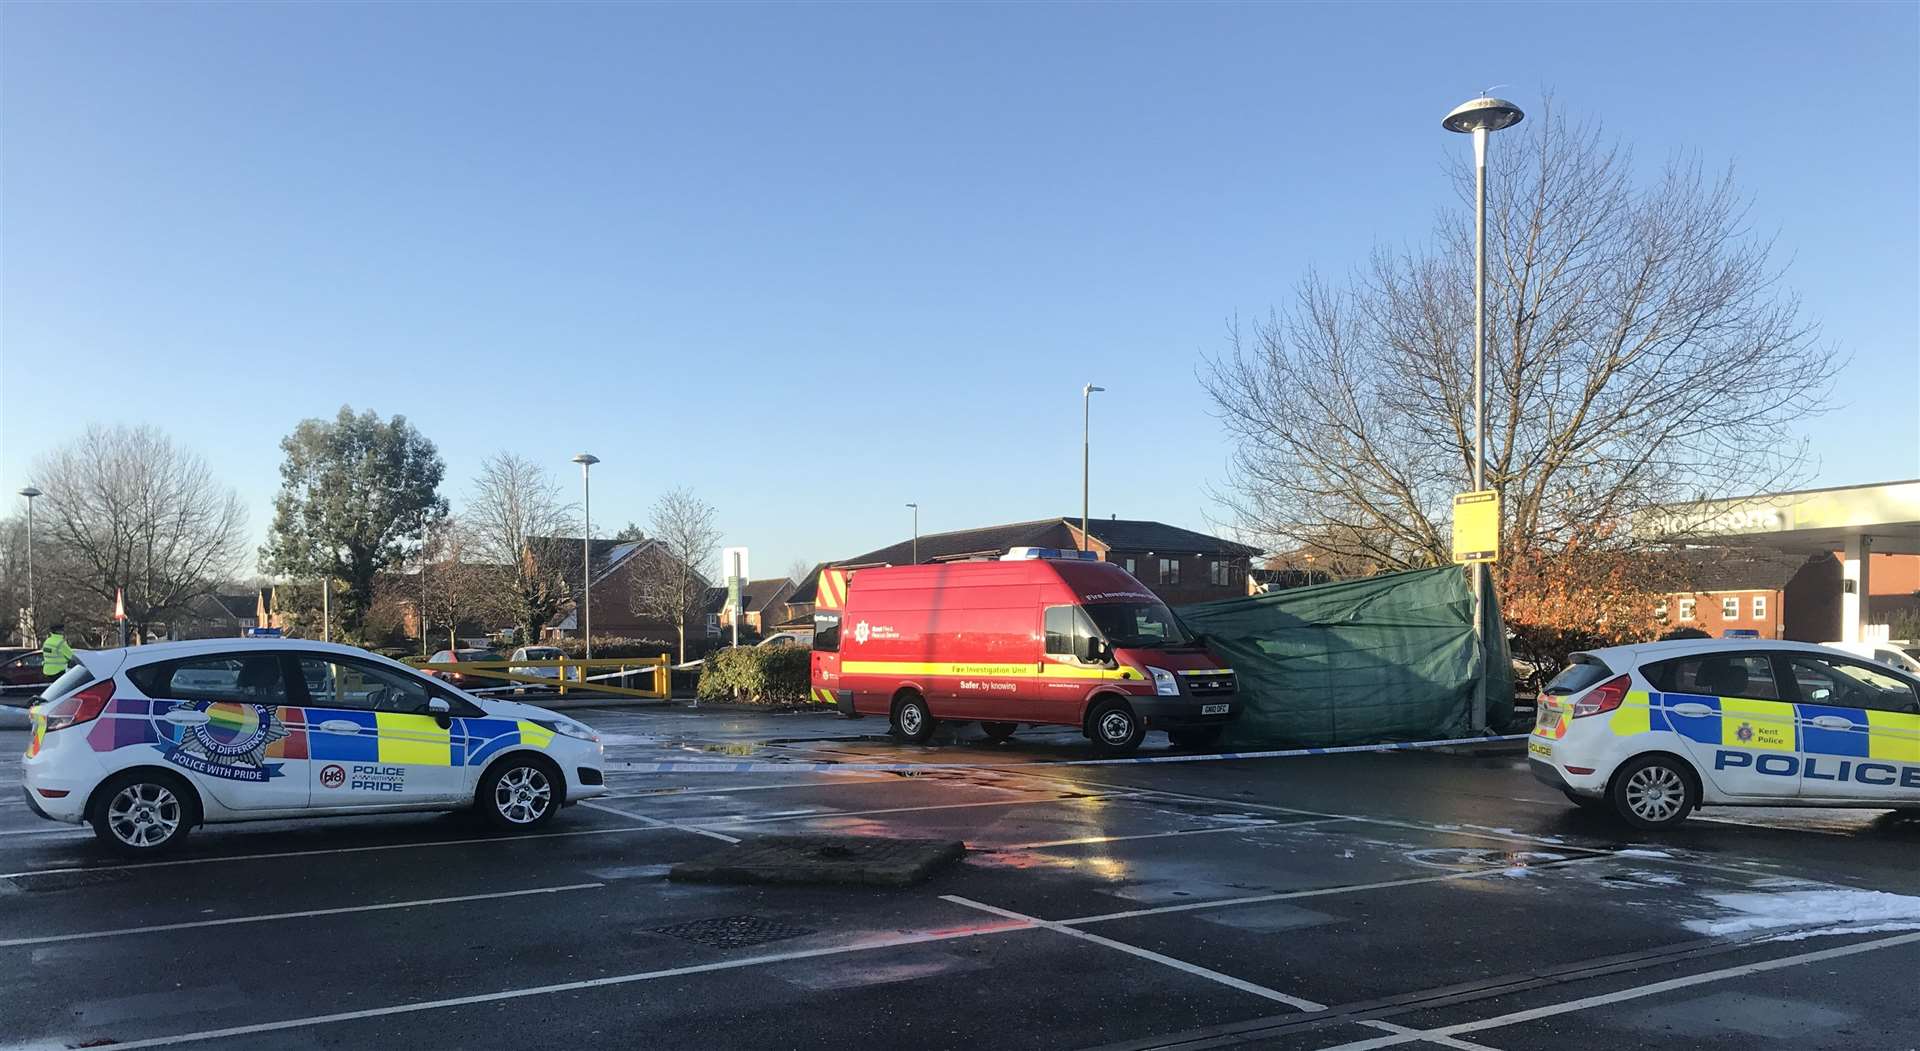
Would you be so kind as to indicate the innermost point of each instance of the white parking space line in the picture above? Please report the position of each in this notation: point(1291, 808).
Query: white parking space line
point(1634, 993)
point(1427, 1038)
point(265, 917)
point(889, 942)
point(654, 822)
point(65, 830)
point(1319, 892)
point(327, 850)
point(1145, 954)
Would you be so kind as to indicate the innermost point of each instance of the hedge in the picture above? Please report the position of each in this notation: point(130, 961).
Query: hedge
point(759, 674)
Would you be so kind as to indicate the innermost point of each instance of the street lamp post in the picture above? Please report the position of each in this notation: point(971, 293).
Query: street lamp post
point(916, 533)
point(1086, 420)
point(32, 625)
point(1479, 117)
point(586, 462)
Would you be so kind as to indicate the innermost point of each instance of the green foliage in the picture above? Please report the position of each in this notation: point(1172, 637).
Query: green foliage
point(357, 495)
point(614, 647)
point(769, 675)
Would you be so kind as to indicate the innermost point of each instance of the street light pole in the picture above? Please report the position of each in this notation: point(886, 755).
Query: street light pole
point(1086, 420)
point(916, 533)
point(1480, 117)
point(586, 462)
point(33, 611)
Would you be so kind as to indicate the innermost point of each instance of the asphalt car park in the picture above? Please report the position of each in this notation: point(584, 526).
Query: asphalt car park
point(1422, 899)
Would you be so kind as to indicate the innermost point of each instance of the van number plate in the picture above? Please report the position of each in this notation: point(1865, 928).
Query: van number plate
point(1215, 709)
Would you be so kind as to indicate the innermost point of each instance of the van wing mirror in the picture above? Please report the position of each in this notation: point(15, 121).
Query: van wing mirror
point(1094, 650)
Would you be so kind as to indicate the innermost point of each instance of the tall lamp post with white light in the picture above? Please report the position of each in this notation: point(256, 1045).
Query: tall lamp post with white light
point(1480, 117)
point(32, 626)
point(586, 462)
point(916, 533)
point(1086, 421)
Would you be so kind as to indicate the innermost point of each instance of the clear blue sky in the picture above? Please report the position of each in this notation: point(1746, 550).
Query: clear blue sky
point(820, 261)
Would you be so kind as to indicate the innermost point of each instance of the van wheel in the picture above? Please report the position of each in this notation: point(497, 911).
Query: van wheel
point(142, 813)
point(912, 722)
point(998, 732)
point(1198, 737)
point(1653, 792)
point(520, 793)
point(1114, 728)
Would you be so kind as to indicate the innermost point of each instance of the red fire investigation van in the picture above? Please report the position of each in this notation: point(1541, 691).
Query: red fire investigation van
point(1041, 636)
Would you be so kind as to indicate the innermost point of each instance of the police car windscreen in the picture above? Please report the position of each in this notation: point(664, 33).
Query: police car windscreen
point(1585, 671)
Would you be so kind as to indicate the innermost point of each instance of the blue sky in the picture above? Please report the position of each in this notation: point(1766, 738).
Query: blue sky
point(817, 262)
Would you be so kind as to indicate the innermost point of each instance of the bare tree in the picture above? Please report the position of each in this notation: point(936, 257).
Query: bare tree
point(450, 587)
point(670, 581)
point(798, 569)
point(125, 508)
point(516, 517)
point(1640, 350)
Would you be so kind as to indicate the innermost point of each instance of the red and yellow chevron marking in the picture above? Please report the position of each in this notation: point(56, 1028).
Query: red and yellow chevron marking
point(832, 589)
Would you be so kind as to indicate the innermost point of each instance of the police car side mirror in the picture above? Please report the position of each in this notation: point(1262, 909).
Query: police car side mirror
point(1821, 695)
point(442, 711)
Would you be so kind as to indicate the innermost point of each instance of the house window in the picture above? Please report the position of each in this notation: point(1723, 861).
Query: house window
point(1686, 609)
point(1169, 571)
point(1759, 607)
point(1130, 565)
point(1217, 572)
point(1730, 608)
point(1660, 610)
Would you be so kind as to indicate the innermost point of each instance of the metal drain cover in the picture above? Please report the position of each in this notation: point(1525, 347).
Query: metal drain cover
point(733, 932)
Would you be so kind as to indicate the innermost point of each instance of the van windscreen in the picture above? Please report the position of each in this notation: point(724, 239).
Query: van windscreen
point(1138, 624)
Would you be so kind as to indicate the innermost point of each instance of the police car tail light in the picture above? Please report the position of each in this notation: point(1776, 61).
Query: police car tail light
point(83, 706)
point(1603, 698)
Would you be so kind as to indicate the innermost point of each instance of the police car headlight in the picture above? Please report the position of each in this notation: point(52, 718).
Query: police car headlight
point(569, 727)
point(1164, 683)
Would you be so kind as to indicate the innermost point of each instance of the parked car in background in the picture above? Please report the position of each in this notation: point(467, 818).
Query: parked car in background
point(788, 638)
point(464, 680)
point(20, 675)
point(1891, 654)
point(536, 653)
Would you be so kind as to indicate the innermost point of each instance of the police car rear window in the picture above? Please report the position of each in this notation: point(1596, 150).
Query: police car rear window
point(1585, 671)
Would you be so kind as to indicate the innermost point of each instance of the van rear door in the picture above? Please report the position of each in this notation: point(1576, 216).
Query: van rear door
point(826, 684)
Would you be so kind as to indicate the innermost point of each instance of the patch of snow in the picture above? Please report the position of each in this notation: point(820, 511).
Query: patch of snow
point(1517, 872)
point(1346, 853)
point(1664, 879)
point(1808, 908)
point(1636, 852)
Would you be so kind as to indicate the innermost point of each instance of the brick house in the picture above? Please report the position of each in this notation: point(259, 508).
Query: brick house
point(617, 567)
point(1179, 565)
point(1781, 596)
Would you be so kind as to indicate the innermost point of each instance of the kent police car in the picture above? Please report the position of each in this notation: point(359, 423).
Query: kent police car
point(1658, 729)
point(146, 743)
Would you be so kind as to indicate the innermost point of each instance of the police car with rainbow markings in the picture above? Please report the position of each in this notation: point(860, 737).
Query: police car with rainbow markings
point(1655, 730)
point(146, 743)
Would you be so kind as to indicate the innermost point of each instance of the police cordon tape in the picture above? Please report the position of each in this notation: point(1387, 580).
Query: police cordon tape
point(725, 767)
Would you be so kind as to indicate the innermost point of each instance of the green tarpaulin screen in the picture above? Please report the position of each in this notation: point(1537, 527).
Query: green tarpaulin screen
point(1384, 658)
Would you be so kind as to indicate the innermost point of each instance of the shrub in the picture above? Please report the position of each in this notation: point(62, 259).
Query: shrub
point(761, 674)
point(614, 647)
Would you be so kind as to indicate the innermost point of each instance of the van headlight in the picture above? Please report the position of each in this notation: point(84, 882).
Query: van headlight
point(1164, 683)
point(570, 727)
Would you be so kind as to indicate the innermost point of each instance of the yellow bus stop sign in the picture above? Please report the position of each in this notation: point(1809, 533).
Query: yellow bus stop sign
point(1476, 526)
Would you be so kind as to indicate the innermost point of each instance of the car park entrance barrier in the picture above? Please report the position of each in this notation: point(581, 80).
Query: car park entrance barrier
point(571, 674)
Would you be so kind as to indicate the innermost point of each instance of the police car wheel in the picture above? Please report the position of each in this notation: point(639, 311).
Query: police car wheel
point(912, 721)
point(1653, 792)
point(997, 732)
point(521, 792)
point(144, 812)
point(1114, 728)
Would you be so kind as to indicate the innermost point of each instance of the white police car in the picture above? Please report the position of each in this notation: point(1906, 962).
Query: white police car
point(145, 743)
point(1657, 729)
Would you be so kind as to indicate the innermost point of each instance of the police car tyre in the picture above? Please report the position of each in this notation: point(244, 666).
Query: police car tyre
point(912, 721)
point(999, 731)
point(520, 792)
point(140, 813)
point(1198, 737)
point(1654, 791)
point(1114, 728)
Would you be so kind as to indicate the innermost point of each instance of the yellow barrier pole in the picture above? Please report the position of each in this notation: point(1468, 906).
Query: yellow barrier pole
point(563, 675)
